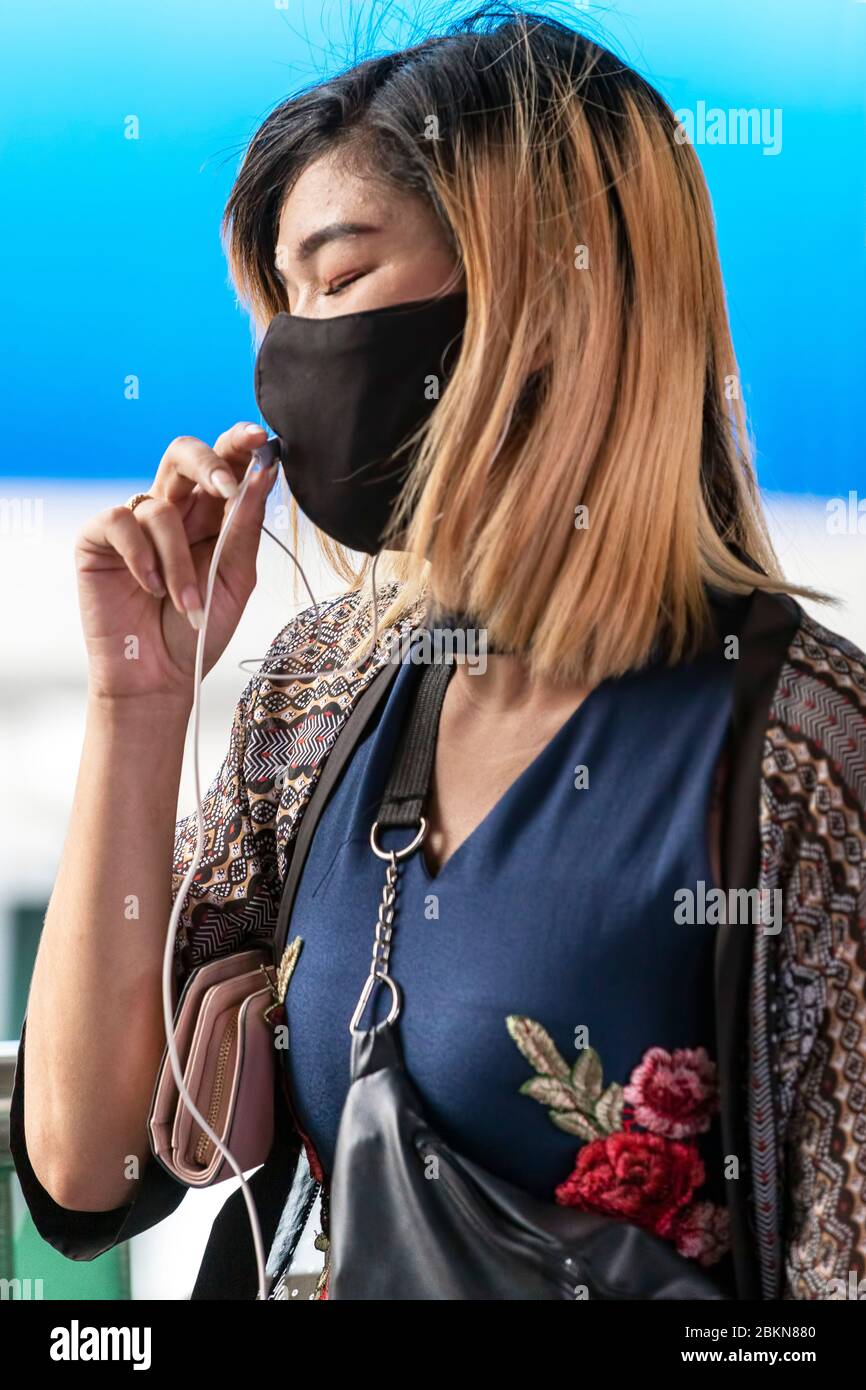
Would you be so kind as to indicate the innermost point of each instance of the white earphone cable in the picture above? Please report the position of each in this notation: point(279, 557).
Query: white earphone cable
point(262, 457)
point(186, 1099)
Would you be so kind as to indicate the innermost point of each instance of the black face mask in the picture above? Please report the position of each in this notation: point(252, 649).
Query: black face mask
point(343, 395)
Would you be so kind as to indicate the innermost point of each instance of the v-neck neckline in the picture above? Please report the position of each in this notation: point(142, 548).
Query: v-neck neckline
point(513, 788)
point(711, 639)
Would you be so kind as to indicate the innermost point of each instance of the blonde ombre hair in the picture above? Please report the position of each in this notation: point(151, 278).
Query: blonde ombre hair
point(596, 353)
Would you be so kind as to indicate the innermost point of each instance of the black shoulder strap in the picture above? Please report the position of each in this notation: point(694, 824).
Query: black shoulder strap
point(769, 627)
point(347, 741)
point(409, 782)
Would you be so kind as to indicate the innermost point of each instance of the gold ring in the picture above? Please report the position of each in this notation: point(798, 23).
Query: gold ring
point(138, 497)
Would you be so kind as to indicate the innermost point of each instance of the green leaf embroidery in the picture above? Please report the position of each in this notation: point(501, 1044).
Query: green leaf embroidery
point(547, 1090)
point(573, 1122)
point(538, 1047)
point(287, 967)
point(608, 1111)
point(574, 1096)
point(587, 1075)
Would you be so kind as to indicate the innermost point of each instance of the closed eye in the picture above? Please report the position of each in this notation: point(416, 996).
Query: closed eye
point(343, 285)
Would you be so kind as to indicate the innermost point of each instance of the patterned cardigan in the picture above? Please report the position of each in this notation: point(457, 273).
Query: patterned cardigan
point(805, 1054)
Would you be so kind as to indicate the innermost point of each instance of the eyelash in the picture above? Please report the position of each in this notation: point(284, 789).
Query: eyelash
point(338, 289)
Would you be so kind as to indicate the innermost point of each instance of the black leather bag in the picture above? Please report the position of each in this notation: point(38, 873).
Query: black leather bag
point(410, 1218)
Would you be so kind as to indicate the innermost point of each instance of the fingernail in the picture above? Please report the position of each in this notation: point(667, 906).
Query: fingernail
point(254, 429)
point(155, 584)
point(224, 483)
point(191, 599)
point(195, 617)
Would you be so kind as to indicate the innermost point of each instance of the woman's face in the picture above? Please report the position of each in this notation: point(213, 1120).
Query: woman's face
point(349, 242)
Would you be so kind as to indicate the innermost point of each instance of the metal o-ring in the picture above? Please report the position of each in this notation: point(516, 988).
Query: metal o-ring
point(376, 977)
point(390, 854)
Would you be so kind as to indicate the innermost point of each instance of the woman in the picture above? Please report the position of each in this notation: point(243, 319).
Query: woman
point(656, 720)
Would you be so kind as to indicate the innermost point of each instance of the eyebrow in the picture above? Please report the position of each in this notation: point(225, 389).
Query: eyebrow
point(334, 231)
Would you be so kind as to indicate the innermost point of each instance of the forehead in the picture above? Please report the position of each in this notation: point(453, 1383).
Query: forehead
point(333, 188)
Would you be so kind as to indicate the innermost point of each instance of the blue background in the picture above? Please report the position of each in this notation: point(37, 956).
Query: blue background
point(110, 250)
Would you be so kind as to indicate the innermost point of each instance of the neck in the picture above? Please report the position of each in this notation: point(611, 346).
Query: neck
point(506, 686)
point(503, 684)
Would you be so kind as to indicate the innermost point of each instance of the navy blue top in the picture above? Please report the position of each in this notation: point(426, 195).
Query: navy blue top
point(558, 907)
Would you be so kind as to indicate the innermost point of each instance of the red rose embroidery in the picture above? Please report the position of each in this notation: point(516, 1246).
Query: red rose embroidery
point(640, 1178)
point(703, 1232)
point(674, 1094)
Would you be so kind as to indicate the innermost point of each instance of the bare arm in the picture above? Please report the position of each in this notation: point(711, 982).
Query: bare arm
point(94, 1026)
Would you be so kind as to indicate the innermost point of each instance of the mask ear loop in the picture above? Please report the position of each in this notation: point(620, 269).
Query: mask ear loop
point(260, 456)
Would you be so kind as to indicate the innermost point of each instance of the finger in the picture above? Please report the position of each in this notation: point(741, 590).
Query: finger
point(119, 529)
point(243, 539)
point(189, 463)
point(163, 524)
point(236, 445)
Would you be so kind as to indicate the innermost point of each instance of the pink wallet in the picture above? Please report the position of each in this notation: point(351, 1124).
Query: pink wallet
point(225, 1044)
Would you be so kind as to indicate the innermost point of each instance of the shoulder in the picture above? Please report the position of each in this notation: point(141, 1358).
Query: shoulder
point(293, 719)
point(820, 700)
point(321, 632)
point(325, 644)
point(815, 761)
point(830, 661)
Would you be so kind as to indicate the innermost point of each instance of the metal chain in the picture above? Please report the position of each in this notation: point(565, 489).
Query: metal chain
point(385, 926)
point(385, 922)
point(382, 949)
